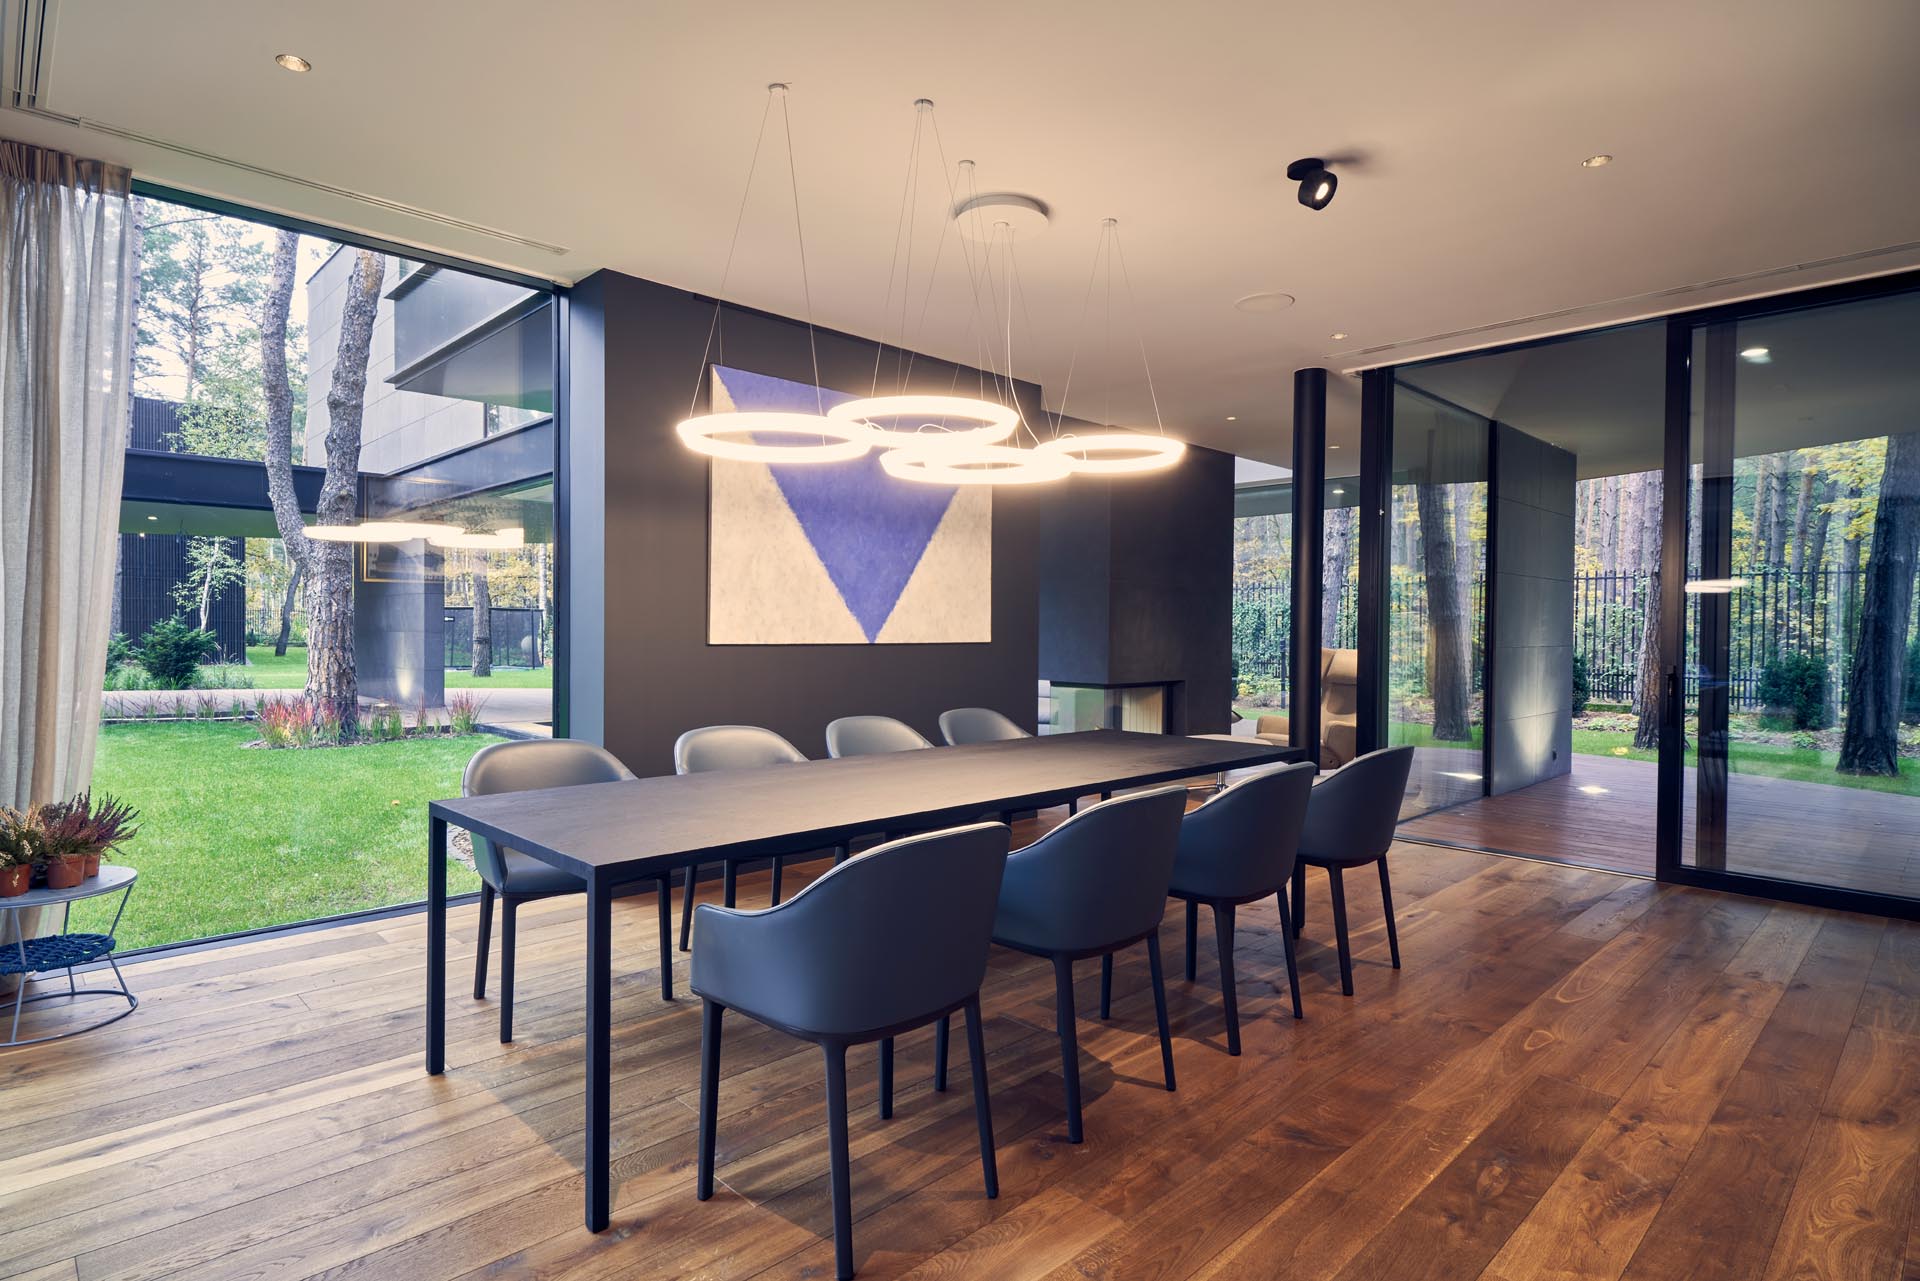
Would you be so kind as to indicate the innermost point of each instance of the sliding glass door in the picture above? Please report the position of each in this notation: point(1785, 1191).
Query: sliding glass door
point(1802, 633)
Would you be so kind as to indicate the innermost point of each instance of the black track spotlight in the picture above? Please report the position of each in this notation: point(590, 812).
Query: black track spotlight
point(1317, 182)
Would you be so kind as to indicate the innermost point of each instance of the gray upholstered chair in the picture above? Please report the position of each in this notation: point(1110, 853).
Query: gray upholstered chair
point(730, 747)
point(1238, 847)
point(889, 942)
point(872, 736)
point(964, 725)
point(513, 877)
point(1350, 823)
point(1093, 885)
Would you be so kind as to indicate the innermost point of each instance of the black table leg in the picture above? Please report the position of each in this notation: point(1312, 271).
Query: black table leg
point(599, 1038)
point(436, 946)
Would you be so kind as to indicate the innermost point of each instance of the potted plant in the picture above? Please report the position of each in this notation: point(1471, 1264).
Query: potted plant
point(19, 848)
point(86, 828)
point(65, 837)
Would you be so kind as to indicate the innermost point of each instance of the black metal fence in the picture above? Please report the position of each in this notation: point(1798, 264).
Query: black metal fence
point(1776, 612)
point(517, 640)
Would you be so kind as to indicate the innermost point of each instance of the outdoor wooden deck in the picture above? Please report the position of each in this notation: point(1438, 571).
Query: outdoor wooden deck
point(1602, 815)
point(1577, 1074)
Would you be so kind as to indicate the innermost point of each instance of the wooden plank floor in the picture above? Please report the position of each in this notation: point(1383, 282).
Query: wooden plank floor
point(1577, 1075)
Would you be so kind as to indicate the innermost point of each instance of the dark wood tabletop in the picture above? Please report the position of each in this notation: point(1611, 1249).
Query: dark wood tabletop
point(642, 827)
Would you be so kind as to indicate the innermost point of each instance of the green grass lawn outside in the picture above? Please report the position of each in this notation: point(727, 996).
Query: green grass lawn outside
point(233, 838)
point(290, 672)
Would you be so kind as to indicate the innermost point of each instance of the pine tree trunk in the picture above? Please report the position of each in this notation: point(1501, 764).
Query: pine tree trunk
point(286, 613)
point(278, 393)
point(1762, 509)
point(482, 619)
point(1337, 558)
point(331, 680)
point(1446, 621)
point(540, 620)
point(1777, 511)
point(1646, 688)
point(1871, 741)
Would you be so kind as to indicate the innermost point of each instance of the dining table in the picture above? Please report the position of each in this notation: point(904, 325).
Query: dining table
point(613, 834)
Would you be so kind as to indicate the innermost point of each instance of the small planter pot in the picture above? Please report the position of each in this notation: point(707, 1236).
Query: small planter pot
point(15, 880)
point(92, 866)
point(65, 873)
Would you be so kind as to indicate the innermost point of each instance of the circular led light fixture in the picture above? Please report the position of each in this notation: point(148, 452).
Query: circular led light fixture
point(475, 540)
point(1115, 453)
point(975, 465)
point(803, 438)
point(1600, 161)
point(923, 420)
point(379, 531)
point(293, 62)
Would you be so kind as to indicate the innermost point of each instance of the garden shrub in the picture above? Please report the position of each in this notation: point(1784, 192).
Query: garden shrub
point(129, 676)
point(171, 652)
point(222, 676)
point(1582, 684)
point(1793, 689)
point(120, 652)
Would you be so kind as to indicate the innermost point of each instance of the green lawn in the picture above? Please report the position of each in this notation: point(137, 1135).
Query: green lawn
point(290, 672)
point(233, 837)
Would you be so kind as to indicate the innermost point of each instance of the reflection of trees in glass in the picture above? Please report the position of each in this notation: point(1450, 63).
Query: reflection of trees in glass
point(1871, 743)
point(1448, 653)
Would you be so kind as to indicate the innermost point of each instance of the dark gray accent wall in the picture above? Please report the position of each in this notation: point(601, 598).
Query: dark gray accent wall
point(399, 620)
point(1136, 585)
point(636, 513)
point(1530, 708)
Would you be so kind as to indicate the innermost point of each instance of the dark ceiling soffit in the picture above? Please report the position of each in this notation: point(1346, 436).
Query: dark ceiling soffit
point(155, 476)
point(486, 328)
point(510, 460)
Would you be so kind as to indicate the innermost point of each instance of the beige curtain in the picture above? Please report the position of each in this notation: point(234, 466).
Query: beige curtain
point(66, 339)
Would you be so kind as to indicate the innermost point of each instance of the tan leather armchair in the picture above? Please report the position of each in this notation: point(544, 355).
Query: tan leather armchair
point(1339, 710)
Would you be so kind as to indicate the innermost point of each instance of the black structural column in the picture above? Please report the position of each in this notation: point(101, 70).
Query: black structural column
point(1715, 617)
point(1309, 511)
point(1376, 497)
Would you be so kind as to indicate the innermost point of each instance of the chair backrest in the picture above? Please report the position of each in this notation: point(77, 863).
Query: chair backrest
point(872, 736)
point(965, 725)
point(1100, 877)
point(895, 935)
point(1339, 705)
point(1355, 809)
point(525, 765)
point(1242, 842)
point(724, 747)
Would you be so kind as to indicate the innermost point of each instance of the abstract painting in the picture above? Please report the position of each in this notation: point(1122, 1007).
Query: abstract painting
point(840, 553)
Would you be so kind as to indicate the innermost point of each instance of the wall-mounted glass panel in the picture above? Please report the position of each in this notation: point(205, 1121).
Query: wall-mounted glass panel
point(1262, 598)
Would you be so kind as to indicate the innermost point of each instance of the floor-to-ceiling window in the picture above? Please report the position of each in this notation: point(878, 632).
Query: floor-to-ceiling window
point(1262, 595)
point(264, 357)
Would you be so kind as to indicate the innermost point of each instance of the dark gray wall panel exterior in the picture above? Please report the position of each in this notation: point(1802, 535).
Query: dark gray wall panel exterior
point(399, 625)
point(1531, 629)
point(641, 667)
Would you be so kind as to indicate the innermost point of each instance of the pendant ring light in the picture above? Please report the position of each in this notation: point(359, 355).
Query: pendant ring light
point(814, 439)
point(1115, 453)
point(926, 420)
point(977, 465)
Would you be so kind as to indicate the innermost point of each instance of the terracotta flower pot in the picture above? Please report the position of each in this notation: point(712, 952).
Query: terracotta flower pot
point(93, 864)
point(66, 872)
point(14, 880)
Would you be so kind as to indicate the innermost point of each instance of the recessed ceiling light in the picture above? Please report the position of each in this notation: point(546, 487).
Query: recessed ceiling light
point(293, 62)
point(1334, 447)
point(1757, 355)
point(1233, 418)
point(1595, 162)
point(1264, 302)
point(153, 518)
point(1338, 490)
point(1337, 337)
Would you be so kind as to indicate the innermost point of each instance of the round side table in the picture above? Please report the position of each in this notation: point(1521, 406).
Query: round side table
point(29, 957)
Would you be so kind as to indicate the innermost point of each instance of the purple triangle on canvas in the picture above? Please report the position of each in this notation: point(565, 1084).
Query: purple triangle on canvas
point(869, 529)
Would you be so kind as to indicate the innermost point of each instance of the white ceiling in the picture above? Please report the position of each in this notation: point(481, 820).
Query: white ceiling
point(1752, 136)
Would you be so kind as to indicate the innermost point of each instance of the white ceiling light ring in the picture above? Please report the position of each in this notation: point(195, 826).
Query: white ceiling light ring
point(1116, 453)
point(817, 439)
point(976, 465)
point(989, 422)
point(507, 539)
point(379, 531)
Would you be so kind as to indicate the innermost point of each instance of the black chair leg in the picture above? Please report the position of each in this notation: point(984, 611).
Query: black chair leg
point(729, 881)
point(886, 1078)
point(982, 1109)
point(687, 883)
point(1286, 938)
point(666, 937)
point(710, 1012)
point(1299, 898)
point(1069, 1042)
point(1073, 807)
point(509, 905)
point(1229, 998)
point(1340, 930)
point(940, 1032)
point(1106, 987)
point(486, 941)
point(840, 1161)
point(779, 865)
point(1386, 903)
point(1193, 939)
point(1160, 1005)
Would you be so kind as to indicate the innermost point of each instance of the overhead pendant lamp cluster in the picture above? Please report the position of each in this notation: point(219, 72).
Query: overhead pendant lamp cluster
point(939, 439)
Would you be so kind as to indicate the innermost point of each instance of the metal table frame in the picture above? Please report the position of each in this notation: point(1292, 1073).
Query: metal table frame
point(111, 877)
point(677, 821)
